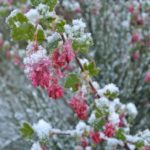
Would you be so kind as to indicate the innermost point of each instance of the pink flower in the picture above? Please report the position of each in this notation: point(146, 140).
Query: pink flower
point(146, 148)
point(147, 77)
point(1, 43)
point(78, 104)
point(95, 137)
point(148, 44)
point(55, 91)
point(16, 60)
point(121, 117)
point(136, 55)
point(131, 9)
point(135, 38)
point(68, 51)
point(10, 1)
point(61, 57)
point(84, 142)
point(109, 129)
point(139, 20)
point(78, 10)
point(40, 74)
point(57, 59)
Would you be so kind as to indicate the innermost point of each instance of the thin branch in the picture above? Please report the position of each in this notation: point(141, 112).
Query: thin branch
point(82, 69)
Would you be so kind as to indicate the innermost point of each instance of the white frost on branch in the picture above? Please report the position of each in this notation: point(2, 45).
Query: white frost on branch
point(42, 128)
point(81, 128)
point(131, 110)
point(111, 88)
point(36, 146)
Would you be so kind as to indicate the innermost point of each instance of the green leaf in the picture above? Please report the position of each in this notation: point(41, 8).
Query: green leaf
point(17, 19)
point(81, 47)
point(53, 45)
point(50, 3)
point(139, 144)
point(91, 68)
point(120, 134)
point(40, 35)
point(26, 130)
point(99, 124)
point(23, 32)
point(60, 26)
point(111, 95)
point(72, 81)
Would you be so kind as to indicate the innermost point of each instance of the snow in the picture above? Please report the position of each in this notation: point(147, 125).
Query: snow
point(81, 128)
point(88, 148)
point(76, 32)
point(114, 118)
point(131, 109)
point(35, 57)
point(84, 61)
point(102, 102)
point(36, 146)
point(42, 128)
point(114, 142)
point(92, 118)
point(96, 85)
point(33, 15)
point(54, 37)
point(131, 146)
point(72, 6)
point(112, 88)
point(12, 14)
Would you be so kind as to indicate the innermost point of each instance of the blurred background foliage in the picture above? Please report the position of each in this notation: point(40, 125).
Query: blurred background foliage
point(111, 26)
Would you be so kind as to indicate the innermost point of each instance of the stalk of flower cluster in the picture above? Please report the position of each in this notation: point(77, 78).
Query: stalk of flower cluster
point(96, 95)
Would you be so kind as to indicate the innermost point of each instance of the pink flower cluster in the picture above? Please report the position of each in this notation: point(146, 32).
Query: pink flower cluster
point(45, 71)
point(147, 77)
point(109, 129)
point(95, 137)
point(79, 105)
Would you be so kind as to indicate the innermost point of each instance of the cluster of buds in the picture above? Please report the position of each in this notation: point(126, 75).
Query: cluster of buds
point(45, 71)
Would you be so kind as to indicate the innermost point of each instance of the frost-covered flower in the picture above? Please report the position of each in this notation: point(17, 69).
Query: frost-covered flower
point(95, 137)
point(78, 104)
point(109, 129)
point(42, 128)
point(61, 58)
point(55, 91)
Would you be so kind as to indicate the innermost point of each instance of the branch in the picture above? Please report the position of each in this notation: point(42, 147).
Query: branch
point(82, 69)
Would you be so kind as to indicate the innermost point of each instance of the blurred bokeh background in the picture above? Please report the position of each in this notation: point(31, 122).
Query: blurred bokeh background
point(121, 33)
